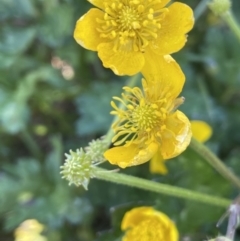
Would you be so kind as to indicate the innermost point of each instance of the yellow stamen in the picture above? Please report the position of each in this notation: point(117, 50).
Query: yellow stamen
point(143, 118)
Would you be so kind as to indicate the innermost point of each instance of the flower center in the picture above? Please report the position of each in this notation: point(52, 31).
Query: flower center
point(128, 19)
point(131, 24)
point(141, 119)
point(146, 117)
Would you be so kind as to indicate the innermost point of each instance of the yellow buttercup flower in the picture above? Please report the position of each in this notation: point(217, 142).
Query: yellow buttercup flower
point(150, 126)
point(122, 31)
point(200, 131)
point(147, 224)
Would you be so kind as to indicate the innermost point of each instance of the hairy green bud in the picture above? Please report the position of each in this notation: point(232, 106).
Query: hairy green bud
point(96, 148)
point(78, 168)
point(220, 7)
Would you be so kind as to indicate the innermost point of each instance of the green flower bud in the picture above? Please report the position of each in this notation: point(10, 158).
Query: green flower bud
point(78, 168)
point(220, 7)
point(95, 150)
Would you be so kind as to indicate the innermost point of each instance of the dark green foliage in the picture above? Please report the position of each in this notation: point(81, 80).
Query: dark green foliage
point(44, 112)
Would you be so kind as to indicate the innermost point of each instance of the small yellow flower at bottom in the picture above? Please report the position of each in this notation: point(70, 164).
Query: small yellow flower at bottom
point(151, 127)
point(29, 230)
point(147, 224)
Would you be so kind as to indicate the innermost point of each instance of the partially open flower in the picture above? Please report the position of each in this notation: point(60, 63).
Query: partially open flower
point(122, 31)
point(145, 223)
point(29, 230)
point(150, 126)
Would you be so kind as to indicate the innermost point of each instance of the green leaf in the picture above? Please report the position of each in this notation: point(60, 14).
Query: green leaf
point(94, 108)
point(54, 159)
point(15, 40)
point(56, 26)
point(16, 9)
point(14, 117)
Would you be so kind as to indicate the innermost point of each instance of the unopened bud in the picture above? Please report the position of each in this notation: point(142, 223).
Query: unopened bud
point(95, 150)
point(220, 7)
point(78, 168)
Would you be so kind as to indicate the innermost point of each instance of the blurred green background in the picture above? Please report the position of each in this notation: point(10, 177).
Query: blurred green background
point(55, 95)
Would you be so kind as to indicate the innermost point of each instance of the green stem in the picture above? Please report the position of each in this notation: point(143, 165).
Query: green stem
point(200, 9)
point(232, 23)
point(179, 192)
point(130, 83)
point(214, 161)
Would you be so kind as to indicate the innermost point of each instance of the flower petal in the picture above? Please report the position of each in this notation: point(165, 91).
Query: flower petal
point(121, 62)
point(178, 124)
point(171, 228)
point(201, 130)
point(85, 32)
point(165, 71)
point(172, 35)
point(157, 164)
point(168, 144)
point(135, 216)
point(132, 155)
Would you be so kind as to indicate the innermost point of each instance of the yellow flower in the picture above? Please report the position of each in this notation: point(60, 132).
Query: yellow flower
point(150, 127)
point(122, 31)
point(147, 224)
point(201, 130)
point(29, 230)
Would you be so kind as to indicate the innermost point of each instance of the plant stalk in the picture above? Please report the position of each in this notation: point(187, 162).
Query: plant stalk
point(214, 161)
point(160, 188)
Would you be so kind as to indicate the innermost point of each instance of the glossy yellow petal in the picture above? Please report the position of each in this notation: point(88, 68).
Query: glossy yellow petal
point(85, 32)
point(172, 229)
point(135, 216)
point(98, 3)
point(185, 135)
point(165, 71)
point(177, 136)
point(201, 130)
point(132, 155)
point(157, 164)
point(121, 62)
point(168, 144)
point(172, 35)
point(145, 223)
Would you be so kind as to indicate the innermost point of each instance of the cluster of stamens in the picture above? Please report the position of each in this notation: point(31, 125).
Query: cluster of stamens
point(131, 24)
point(141, 119)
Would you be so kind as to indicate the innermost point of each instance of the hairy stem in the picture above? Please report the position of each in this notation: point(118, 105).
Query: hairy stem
point(169, 190)
point(215, 162)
